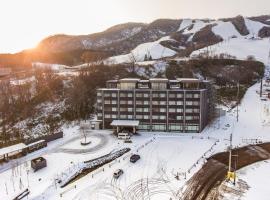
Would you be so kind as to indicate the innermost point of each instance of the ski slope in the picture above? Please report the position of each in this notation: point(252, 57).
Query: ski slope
point(241, 48)
point(153, 49)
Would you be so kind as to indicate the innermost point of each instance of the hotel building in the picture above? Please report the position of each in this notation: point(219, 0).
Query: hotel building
point(157, 104)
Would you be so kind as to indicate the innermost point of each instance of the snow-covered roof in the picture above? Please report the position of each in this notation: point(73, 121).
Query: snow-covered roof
point(125, 123)
point(189, 80)
point(34, 143)
point(129, 80)
point(158, 79)
point(12, 148)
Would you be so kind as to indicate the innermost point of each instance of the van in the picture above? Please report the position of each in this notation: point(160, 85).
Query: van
point(118, 173)
point(124, 136)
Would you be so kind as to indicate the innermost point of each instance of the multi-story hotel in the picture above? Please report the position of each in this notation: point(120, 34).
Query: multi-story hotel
point(158, 104)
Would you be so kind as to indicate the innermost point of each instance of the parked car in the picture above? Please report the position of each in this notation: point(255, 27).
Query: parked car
point(134, 158)
point(118, 173)
point(124, 136)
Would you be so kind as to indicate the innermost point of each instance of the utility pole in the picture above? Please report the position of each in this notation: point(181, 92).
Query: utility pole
point(237, 97)
point(261, 87)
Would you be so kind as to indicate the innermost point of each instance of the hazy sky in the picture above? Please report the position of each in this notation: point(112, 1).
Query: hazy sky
point(25, 22)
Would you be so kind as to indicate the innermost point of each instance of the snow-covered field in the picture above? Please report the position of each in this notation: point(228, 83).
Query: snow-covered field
point(163, 156)
point(252, 183)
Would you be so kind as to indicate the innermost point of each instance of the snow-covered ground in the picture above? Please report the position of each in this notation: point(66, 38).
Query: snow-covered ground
point(252, 183)
point(163, 156)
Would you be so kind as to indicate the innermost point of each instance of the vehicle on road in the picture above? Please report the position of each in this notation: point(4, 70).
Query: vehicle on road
point(124, 136)
point(118, 173)
point(134, 158)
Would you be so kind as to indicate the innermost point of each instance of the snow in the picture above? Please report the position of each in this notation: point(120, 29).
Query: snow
point(241, 48)
point(254, 27)
point(252, 182)
point(258, 178)
point(13, 148)
point(225, 29)
point(153, 49)
point(22, 81)
point(163, 156)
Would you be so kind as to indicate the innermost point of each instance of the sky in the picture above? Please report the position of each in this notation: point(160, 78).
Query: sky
point(24, 23)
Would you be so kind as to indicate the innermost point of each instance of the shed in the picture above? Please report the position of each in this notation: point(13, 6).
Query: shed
point(38, 163)
point(14, 150)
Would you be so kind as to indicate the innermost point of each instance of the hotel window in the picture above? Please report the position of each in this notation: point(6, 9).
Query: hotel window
point(130, 94)
point(139, 95)
point(146, 102)
point(172, 95)
point(99, 100)
point(114, 102)
point(179, 102)
point(162, 109)
point(145, 95)
point(138, 109)
point(188, 95)
point(145, 117)
point(172, 110)
point(99, 94)
point(189, 110)
point(179, 117)
point(196, 96)
point(123, 102)
point(180, 95)
point(195, 110)
point(107, 94)
point(114, 116)
point(114, 95)
point(171, 102)
point(130, 116)
point(146, 110)
point(195, 103)
point(107, 102)
point(189, 103)
point(138, 116)
point(155, 95)
point(155, 102)
point(189, 118)
point(162, 102)
point(99, 114)
point(162, 117)
point(123, 116)
point(130, 102)
point(114, 109)
point(162, 95)
point(107, 116)
point(155, 117)
point(139, 102)
point(179, 110)
point(130, 109)
point(123, 109)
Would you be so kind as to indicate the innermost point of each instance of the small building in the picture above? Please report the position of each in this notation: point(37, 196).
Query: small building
point(13, 151)
point(38, 163)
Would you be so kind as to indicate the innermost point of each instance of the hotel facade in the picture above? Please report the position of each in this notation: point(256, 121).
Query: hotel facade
point(158, 104)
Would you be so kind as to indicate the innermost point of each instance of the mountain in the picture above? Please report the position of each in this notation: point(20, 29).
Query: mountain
point(131, 42)
point(162, 37)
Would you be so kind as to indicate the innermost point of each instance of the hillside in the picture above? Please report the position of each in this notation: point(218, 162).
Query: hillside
point(136, 42)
